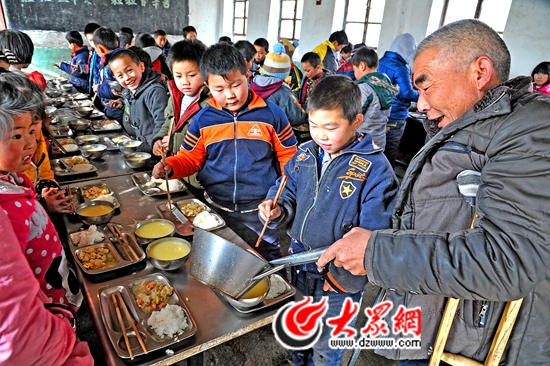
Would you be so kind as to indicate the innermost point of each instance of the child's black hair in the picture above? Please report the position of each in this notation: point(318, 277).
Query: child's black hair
point(347, 48)
point(542, 68)
point(125, 53)
point(339, 36)
point(185, 51)
point(225, 39)
point(143, 56)
point(221, 59)
point(145, 40)
point(16, 46)
point(127, 30)
point(186, 30)
point(159, 32)
point(74, 37)
point(105, 37)
point(312, 58)
point(124, 39)
point(366, 55)
point(246, 49)
point(262, 42)
point(336, 92)
point(90, 28)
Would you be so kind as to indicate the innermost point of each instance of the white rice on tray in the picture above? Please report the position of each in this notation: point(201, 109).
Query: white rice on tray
point(169, 321)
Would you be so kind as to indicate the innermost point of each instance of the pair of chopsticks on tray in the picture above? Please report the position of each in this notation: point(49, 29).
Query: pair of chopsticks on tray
point(275, 200)
point(117, 298)
point(117, 234)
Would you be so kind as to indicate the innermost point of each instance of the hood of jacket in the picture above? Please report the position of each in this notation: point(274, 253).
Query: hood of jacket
point(10, 187)
point(264, 86)
point(382, 86)
point(154, 52)
point(404, 45)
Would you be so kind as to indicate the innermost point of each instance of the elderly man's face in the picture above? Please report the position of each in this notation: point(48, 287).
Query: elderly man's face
point(445, 93)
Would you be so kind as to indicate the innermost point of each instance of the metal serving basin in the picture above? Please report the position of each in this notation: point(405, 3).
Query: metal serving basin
point(234, 269)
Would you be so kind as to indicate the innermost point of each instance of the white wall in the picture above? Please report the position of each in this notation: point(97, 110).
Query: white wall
point(403, 16)
point(258, 20)
point(526, 35)
point(207, 16)
point(316, 25)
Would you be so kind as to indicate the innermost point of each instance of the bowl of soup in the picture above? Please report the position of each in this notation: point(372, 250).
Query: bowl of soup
point(168, 254)
point(128, 146)
point(252, 297)
point(96, 212)
point(137, 159)
point(149, 230)
point(87, 139)
point(93, 151)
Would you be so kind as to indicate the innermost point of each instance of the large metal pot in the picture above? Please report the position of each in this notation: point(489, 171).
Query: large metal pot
point(233, 268)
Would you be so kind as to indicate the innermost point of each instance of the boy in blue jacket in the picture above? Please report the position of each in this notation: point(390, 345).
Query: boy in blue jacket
point(335, 182)
point(106, 43)
point(76, 68)
point(238, 144)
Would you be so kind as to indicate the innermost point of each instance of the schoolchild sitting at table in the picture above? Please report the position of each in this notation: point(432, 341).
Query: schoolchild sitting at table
point(145, 95)
point(36, 234)
point(76, 67)
point(238, 143)
point(335, 182)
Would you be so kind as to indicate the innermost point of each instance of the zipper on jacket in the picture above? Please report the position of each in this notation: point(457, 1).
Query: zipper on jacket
point(235, 166)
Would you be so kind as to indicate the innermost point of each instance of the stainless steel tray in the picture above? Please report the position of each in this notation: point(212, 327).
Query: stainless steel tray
point(97, 125)
point(187, 228)
point(269, 300)
point(80, 196)
point(119, 261)
point(61, 168)
point(79, 103)
point(150, 338)
point(150, 187)
point(111, 146)
point(77, 96)
point(57, 152)
point(96, 115)
point(61, 130)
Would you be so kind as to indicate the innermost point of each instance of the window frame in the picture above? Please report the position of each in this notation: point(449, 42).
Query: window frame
point(366, 22)
point(293, 19)
point(244, 18)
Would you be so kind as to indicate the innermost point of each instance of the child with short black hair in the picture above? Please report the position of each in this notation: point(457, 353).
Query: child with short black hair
point(76, 67)
point(262, 49)
point(161, 41)
point(336, 182)
point(541, 78)
point(313, 73)
point(238, 144)
point(377, 94)
point(248, 51)
point(106, 43)
point(125, 40)
point(94, 61)
point(189, 32)
point(145, 95)
point(148, 44)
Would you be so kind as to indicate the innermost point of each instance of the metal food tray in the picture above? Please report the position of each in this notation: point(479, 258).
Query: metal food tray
point(150, 338)
point(97, 125)
point(111, 146)
point(62, 169)
point(121, 260)
point(79, 103)
point(96, 115)
point(77, 96)
point(290, 291)
point(56, 151)
point(187, 228)
point(61, 130)
point(81, 198)
point(149, 188)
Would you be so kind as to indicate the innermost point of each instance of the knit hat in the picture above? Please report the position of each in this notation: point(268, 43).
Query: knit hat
point(276, 63)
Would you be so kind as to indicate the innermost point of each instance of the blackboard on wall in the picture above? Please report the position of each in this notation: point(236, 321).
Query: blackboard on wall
point(65, 15)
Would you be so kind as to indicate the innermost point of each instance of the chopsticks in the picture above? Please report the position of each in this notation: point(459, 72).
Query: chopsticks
point(117, 234)
point(169, 204)
point(58, 144)
point(114, 297)
point(275, 200)
point(69, 192)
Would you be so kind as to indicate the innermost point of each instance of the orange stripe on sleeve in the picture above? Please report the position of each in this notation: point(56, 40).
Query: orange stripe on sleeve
point(335, 283)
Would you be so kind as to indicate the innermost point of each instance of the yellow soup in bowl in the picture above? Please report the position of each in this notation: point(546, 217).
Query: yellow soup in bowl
point(169, 250)
point(96, 210)
point(258, 290)
point(154, 230)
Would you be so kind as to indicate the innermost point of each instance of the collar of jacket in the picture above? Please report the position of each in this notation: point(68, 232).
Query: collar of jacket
point(193, 107)
point(83, 48)
point(330, 45)
point(254, 101)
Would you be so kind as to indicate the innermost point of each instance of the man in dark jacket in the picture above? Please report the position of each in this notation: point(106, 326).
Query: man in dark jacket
point(499, 130)
point(394, 64)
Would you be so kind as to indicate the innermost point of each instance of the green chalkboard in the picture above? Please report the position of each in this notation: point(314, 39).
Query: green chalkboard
point(64, 15)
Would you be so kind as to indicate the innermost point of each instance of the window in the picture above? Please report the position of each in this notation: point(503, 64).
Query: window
point(492, 12)
point(363, 20)
point(240, 19)
point(291, 19)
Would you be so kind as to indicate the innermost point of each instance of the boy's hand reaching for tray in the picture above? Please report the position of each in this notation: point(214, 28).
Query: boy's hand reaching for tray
point(267, 212)
point(161, 171)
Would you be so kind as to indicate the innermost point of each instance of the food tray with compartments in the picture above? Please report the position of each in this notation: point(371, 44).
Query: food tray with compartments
point(94, 192)
point(151, 187)
point(187, 228)
point(64, 167)
point(65, 141)
point(61, 130)
point(117, 262)
point(279, 291)
point(108, 141)
point(151, 339)
point(102, 125)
